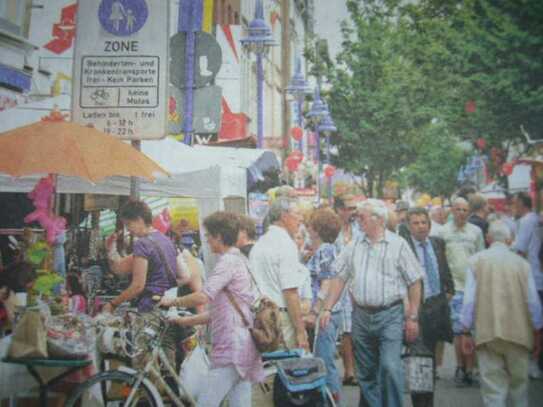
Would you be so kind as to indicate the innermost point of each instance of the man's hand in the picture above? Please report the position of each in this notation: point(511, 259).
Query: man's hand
point(310, 320)
point(411, 330)
point(468, 345)
point(325, 319)
point(301, 340)
point(537, 345)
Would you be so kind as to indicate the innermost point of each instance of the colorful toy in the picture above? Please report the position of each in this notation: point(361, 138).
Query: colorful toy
point(41, 197)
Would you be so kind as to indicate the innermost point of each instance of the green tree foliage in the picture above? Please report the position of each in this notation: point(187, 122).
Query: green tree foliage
point(435, 171)
point(406, 64)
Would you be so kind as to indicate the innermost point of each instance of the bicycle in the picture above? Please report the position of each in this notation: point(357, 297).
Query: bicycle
point(138, 387)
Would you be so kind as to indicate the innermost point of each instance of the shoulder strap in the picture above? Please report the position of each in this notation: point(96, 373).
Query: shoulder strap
point(246, 263)
point(171, 275)
point(236, 306)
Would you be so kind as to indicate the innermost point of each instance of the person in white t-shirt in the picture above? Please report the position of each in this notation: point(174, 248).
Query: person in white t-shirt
point(275, 266)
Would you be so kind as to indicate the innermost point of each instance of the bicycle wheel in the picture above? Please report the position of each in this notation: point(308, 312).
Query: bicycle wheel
point(113, 388)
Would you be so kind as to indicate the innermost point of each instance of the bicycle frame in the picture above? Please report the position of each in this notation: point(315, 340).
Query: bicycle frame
point(152, 370)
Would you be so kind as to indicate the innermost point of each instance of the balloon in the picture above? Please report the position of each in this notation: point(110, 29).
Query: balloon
point(292, 163)
point(329, 170)
point(297, 133)
point(297, 155)
point(470, 106)
point(507, 169)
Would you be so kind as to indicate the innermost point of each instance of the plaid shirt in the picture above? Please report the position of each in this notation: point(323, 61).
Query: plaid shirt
point(378, 274)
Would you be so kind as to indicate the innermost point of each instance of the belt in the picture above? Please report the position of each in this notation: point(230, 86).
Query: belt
point(372, 310)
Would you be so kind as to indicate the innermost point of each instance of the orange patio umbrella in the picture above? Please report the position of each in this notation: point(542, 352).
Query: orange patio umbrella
point(54, 146)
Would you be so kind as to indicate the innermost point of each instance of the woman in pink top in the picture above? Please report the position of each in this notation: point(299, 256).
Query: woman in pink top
point(235, 362)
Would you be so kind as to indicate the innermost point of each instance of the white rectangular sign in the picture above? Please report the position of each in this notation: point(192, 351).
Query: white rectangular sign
point(121, 67)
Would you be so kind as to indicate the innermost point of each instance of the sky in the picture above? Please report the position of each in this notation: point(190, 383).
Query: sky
point(328, 17)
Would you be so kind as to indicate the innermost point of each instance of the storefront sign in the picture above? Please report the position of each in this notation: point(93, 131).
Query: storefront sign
point(121, 65)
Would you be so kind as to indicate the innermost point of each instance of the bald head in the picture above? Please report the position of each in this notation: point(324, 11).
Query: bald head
point(460, 211)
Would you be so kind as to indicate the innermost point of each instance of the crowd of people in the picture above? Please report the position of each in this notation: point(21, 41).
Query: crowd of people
point(363, 275)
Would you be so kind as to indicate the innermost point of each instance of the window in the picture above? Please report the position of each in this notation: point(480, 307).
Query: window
point(12, 14)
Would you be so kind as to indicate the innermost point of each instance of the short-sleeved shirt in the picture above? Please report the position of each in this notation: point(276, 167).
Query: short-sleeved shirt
point(460, 245)
point(378, 274)
point(160, 278)
point(528, 242)
point(275, 264)
point(304, 291)
point(320, 268)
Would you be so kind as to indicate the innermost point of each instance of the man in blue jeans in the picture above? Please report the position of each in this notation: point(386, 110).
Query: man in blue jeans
point(380, 270)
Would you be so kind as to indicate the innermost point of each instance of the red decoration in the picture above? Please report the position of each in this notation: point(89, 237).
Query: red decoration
point(481, 143)
point(329, 170)
point(470, 106)
point(507, 169)
point(292, 163)
point(297, 133)
point(297, 155)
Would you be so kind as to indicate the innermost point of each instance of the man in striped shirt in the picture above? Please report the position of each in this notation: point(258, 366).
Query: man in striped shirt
point(380, 270)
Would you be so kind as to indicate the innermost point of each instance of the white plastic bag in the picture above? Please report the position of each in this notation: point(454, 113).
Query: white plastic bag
point(194, 371)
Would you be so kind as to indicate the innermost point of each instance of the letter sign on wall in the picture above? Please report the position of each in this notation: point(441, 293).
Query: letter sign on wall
point(121, 67)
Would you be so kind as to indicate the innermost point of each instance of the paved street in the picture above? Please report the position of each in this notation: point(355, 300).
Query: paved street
point(448, 395)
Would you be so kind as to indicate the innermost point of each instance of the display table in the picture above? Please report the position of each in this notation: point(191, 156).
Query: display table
point(68, 366)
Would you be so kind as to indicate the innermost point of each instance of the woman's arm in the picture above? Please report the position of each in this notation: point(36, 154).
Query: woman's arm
point(121, 265)
point(136, 287)
point(200, 319)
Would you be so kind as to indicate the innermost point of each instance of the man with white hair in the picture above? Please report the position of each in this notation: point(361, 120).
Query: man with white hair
point(462, 240)
point(502, 304)
point(276, 269)
point(438, 218)
point(380, 270)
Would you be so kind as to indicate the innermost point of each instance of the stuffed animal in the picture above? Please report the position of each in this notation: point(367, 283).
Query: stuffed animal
point(41, 197)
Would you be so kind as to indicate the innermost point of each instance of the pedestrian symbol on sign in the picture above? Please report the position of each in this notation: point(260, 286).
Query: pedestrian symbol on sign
point(123, 17)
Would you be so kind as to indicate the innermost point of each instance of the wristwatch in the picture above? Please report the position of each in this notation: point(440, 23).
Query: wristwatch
point(413, 317)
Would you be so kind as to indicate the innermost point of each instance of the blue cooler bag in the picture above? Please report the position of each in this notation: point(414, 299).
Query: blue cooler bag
point(300, 382)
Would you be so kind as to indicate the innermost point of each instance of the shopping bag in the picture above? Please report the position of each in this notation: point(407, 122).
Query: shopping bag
point(194, 372)
point(29, 337)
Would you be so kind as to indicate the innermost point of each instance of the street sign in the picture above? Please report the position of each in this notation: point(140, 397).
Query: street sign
point(207, 110)
point(208, 59)
point(121, 67)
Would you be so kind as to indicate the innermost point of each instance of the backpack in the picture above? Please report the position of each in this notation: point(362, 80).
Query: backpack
point(266, 331)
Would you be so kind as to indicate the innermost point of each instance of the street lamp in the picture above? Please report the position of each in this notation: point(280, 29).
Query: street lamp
point(327, 127)
point(259, 39)
point(316, 114)
point(298, 88)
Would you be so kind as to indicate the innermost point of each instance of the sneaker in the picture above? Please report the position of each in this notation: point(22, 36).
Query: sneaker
point(459, 376)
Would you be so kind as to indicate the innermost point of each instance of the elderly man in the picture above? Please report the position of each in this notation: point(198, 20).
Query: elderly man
point(276, 269)
point(528, 245)
point(438, 289)
point(501, 302)
point(438, 216)
point(462, 240)
point(381, 270)
point(478, 207)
